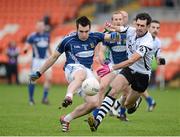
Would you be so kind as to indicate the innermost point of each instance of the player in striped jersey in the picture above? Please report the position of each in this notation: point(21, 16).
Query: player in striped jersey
point(136, 70)
point(154, 30)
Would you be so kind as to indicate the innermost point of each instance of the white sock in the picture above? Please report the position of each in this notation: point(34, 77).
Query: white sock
point(69, 95)
point(68, 118)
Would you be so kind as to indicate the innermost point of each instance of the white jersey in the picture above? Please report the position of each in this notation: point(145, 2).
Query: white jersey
point(157, 47)
point(143, 46)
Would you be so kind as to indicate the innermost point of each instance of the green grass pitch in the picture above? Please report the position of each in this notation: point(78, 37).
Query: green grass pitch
point(18, 118)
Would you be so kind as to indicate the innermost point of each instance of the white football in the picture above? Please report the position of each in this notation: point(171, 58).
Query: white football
point(90, 86)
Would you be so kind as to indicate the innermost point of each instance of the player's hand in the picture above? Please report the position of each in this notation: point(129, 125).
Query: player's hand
point(162, 61)
point(115, 36)
point(108, 27)
point(107, 24)
point(35, 76)
point(104, 70)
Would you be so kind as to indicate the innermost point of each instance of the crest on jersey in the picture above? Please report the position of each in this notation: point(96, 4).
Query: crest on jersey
point(92, 45)
point(141, 48)
point(130, 48)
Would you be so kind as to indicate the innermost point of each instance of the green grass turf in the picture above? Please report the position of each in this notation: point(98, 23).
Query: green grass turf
point(18, 118)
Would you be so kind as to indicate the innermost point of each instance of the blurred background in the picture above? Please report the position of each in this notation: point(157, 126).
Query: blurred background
point(18, 19)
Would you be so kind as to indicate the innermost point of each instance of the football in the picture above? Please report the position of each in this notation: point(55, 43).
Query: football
point(90, 86)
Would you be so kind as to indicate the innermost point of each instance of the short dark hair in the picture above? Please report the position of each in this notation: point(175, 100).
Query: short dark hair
point(83, 21)
point(144, 16)
point(155, 21)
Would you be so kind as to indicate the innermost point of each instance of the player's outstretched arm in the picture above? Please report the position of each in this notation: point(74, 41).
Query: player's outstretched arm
point(108, 26)
point(49, 62)
point(108, 68)
point(135, 57)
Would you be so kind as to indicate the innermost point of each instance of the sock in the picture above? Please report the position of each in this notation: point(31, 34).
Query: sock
point(149, 100)
point(69, 95)
point(95, 112)
point(45, 94)
point(31, 88)
point(106, 105)
point(122, 111)
point(68, 118)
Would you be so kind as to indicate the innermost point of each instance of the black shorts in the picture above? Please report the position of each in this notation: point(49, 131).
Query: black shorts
point(138, 81)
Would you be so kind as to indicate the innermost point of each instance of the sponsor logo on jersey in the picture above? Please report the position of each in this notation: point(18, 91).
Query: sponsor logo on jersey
point(119, 48)
point(77, 46)
point(85, 54)
point(42, 44)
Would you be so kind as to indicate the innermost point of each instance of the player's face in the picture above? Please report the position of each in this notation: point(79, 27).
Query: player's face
point(40, 27)
point(117, 19)
point(154, 29)
point(141, 27)
point(83, 32)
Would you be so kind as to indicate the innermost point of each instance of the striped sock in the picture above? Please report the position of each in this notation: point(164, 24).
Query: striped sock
point(107, 103)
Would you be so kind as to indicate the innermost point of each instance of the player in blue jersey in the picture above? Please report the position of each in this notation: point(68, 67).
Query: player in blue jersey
point(117, 54)
point(39, 41)
point(79, 50)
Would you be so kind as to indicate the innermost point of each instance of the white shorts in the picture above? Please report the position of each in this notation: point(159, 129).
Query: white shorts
point(37, 64)
point(70, 69)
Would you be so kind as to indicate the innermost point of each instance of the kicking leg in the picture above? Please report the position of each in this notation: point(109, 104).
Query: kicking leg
point(91, 102)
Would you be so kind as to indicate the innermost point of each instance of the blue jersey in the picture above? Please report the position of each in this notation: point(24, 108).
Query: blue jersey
point(40, 44)
point(117, 49)
point(80, 52)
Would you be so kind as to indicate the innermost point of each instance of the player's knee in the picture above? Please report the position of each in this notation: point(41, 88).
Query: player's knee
point(80, 78)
